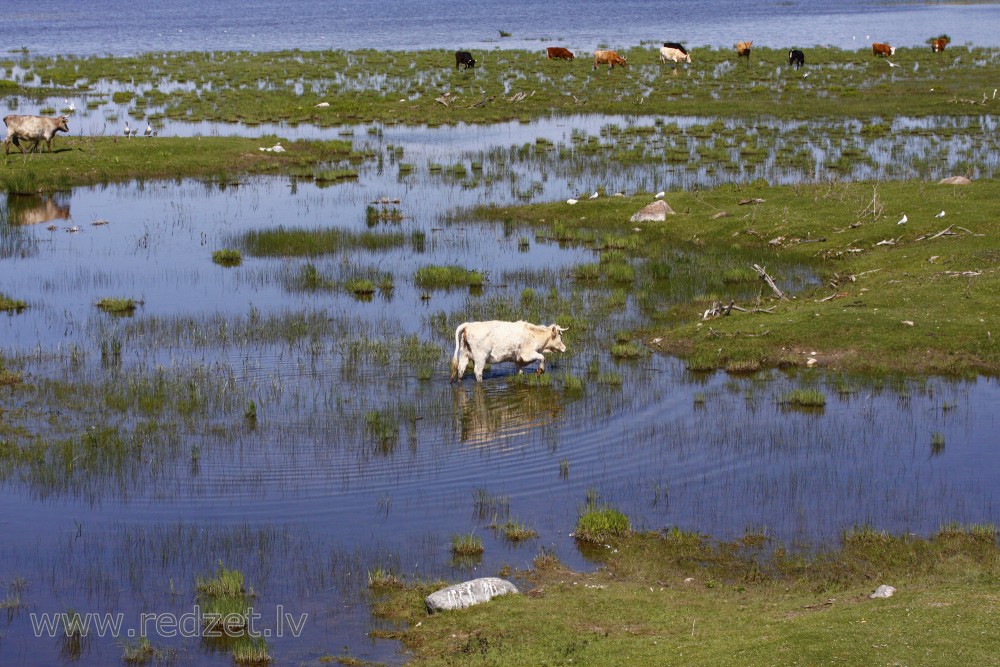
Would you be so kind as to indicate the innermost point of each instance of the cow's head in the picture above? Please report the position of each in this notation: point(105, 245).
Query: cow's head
point(63, 124)
point(555, 338)
point(892, 50)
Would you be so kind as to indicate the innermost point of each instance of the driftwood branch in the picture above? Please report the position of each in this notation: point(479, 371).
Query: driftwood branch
point(770, 282)
point(718, 309)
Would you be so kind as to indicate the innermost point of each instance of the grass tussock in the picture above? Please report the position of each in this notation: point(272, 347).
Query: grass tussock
point(11, 305)
point(445, 277)
point(227, 257)
point(117, 305)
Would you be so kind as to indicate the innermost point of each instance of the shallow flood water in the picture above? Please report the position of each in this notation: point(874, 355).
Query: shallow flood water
point(360, 455)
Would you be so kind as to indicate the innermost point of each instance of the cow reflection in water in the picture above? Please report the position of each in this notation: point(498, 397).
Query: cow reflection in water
point(490, 414)
point(32, 209)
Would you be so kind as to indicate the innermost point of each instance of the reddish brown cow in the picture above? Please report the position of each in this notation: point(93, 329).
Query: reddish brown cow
point(609, 58)
point(558, 53)
point(743, 50)
point(879, 49)
point(937, 45)
point(32, 128)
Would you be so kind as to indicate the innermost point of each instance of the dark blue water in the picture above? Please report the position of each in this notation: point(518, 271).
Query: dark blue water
point(85, 27)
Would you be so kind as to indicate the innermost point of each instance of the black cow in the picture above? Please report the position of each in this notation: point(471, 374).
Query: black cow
point(675, 45)
point(464, 59)
point(796, 58)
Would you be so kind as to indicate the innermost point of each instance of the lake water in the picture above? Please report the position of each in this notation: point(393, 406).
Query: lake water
point(85, 27)
point(312, 494)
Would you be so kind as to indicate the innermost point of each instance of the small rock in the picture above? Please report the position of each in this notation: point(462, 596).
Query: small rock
point(655, 212)
point(908, 323)
point(322, 104)
point(811, 361)
point(883, 591)
point(468, 593)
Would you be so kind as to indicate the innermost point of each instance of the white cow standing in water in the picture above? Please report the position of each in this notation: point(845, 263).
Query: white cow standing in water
point(496, 341)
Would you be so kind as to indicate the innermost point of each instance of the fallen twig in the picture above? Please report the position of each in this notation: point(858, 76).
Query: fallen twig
point(770, 282)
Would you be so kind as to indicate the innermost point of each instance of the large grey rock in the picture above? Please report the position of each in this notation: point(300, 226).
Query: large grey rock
point(954, 180)
point(883, 591)
point(655, 212)
point(468, 593)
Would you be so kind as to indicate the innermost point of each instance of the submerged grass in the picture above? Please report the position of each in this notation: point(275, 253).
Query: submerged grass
point(302, 242)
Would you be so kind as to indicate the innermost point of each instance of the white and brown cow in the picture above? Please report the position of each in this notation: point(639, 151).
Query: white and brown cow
point(609, 58)
point(675, 53)
point(496, 341)
point(34, 129)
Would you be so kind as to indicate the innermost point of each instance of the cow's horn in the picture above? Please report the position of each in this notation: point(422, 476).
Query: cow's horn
point(562, 328)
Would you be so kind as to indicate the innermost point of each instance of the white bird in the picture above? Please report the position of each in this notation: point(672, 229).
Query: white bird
point(277, 148)
point(571, 201)
point(940, 215)
point(916, 66)
point(660, 194)
point(128, 130)
point(806, 75)
point(902, 221)
point(891, 64)
point(594, 196)
point(149, 130)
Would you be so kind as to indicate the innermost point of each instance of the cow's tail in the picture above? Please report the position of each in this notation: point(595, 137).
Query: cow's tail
point(459, 340)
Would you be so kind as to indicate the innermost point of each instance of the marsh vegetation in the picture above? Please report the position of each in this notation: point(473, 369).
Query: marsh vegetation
point(290, 416)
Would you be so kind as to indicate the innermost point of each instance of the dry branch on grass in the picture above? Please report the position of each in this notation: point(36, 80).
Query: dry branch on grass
point(770, 282)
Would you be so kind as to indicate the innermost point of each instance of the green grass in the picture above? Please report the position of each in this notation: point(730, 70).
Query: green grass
point(806, 398)
point(225, 583)
point(892, 309)
point(600, 524)
point(444, 277)
point(300, 242)
point(86, 160)
point(117, 305)
point(334, 175)
point(11, 305)
point(372, 82)
point(250, 651)
point(677, 598)
point(227, 257)
point(466, 545)
point(515, 531)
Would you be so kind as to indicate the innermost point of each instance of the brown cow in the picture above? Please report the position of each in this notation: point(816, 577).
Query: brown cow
point(879, 49)
point(937, 45)
point(558, 53)
point(32, 128)
point(609, 58)
point(743, 50)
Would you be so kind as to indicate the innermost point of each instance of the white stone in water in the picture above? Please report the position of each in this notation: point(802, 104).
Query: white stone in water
point(655, 212)
point(883, 591)
point(468, 593)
